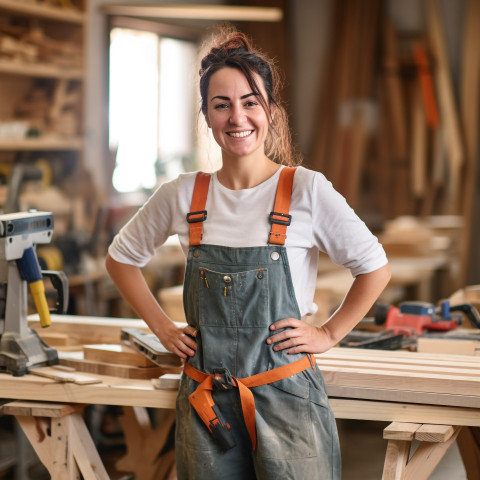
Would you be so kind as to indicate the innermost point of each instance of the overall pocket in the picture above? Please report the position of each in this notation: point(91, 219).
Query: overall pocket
point(283, 419)
point(237, 299)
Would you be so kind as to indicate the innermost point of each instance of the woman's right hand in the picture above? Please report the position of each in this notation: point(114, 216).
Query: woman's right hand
point(178, 340)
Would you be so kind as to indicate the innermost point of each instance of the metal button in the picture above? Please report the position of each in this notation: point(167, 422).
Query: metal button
point(196, 253)
point(227, 279)
point(274, 255)
point(260, 275)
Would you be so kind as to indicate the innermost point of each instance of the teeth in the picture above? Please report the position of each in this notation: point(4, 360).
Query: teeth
point(240, 134)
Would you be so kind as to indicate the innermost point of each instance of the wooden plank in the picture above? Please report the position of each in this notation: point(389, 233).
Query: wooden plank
point(419, 382)
point(418, 152)
point(40, 409)
point(470, 114)
point(89, 330)
point(404, 396)
point(447, 103)
point(120, 371)
point(169, 381)
point(386, 367)
point(402, 412)
point(400, 431)
point(459, 347)
point(400, 356)
point(434, 433)
point(60, 376)
point(116, 354)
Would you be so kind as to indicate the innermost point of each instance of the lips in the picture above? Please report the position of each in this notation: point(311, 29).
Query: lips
point(243, 134)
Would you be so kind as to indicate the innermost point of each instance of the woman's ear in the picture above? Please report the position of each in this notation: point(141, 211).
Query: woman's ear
point(207, 120)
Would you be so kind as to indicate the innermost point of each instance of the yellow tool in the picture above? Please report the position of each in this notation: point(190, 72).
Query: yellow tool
point(20, 347)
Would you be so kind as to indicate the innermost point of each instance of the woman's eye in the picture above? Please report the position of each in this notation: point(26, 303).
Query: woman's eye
point(251, 104)
point(220, 106)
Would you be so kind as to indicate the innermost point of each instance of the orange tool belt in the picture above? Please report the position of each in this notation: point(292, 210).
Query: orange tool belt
point(202, 401)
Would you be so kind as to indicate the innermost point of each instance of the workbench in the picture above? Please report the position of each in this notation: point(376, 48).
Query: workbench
point(402, 387)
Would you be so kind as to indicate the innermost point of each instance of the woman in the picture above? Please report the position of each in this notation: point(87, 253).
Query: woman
point(251, 402)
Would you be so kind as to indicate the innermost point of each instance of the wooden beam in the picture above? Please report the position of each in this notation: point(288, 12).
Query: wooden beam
point(198, 12)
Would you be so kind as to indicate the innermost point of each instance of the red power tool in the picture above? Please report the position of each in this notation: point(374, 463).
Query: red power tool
point(419, 317)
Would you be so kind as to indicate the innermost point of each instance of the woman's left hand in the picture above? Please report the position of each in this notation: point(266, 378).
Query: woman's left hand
point(300, 337)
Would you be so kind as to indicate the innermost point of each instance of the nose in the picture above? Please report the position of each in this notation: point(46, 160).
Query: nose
point(237, 115)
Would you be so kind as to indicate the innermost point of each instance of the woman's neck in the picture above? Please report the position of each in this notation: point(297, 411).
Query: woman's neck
point(239, 174)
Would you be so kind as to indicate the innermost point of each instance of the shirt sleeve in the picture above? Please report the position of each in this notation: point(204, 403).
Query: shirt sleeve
point(341, 234)
point(136, 242)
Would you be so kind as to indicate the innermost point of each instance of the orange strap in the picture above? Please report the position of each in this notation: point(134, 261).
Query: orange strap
point(279, 218)
point(198, 214)
point(201, 398)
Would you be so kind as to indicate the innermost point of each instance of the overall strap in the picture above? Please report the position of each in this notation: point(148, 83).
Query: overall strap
point(280, 218)
point(198, 214)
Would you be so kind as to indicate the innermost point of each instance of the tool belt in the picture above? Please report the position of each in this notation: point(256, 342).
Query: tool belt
point(202, 401)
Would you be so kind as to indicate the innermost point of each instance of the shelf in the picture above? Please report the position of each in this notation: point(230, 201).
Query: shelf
point(41, 143)
point(43, 70)
point(44, 11)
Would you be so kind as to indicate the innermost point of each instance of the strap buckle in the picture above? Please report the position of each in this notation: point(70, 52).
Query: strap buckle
point(279, 221)
point(199, 219)
point(222, 379)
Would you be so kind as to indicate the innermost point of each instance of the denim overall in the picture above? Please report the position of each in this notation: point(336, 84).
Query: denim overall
point(232, 296)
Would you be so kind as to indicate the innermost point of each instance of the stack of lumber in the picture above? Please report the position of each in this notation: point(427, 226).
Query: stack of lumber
point(402, 376)
point(418, 154)
point(93, 345)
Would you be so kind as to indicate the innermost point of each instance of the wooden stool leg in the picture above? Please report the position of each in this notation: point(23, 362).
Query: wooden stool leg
point(427, 457)
point(36, 430)
point(396, 459)
point(63, 463)
point(83, 449)
point(469, 445)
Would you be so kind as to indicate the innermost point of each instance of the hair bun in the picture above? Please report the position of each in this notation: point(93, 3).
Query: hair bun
point(227, 42)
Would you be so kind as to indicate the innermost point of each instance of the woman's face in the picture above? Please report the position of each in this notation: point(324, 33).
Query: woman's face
point(234, 113)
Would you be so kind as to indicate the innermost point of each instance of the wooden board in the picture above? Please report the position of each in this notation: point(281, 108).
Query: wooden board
point(62, 376)
point(121, 371)
point(40, 409)
point(117, 354)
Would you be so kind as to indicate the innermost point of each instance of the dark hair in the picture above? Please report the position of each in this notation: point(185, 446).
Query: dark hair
point(232, 49)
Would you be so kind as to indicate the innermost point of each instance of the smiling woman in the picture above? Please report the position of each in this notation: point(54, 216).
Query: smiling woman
point(251, 403)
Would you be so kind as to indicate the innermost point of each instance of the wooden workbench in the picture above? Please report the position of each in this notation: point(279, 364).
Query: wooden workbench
point(403, 387)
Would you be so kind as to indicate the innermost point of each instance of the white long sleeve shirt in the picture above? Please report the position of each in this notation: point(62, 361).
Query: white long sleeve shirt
point(321, 221)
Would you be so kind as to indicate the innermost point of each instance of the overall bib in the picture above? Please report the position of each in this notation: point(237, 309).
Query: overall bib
point(244, 411)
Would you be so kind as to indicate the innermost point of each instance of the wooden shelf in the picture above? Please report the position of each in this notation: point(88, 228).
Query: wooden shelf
point(44, 11)
point(41, 143)
point(40, 70)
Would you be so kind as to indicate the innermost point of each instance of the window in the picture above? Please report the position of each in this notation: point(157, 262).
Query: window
point(152, 107)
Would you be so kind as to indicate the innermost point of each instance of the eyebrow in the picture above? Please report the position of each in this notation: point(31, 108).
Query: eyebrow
point(220, 97)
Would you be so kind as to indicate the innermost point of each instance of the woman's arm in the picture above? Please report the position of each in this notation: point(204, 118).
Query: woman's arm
point(131, 284)
point(307, 338)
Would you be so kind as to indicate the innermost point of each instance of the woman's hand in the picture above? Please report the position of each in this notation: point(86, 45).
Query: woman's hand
point(180, 341)
point(300, 337)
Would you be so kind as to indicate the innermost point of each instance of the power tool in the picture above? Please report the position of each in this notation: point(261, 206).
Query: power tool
point(405, 323)
point(20, 347)
point(420, 317)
